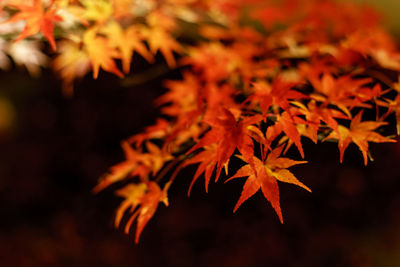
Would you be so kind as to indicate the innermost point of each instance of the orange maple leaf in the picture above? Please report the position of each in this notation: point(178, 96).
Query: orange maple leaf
point(156, 131)
point(278, 93)
point(268, 172)
point(127, 41)
point(393, 106)
point(316, 114)
point(72, 62)
point(229, 135)
point(208, 160)
point(131, 165)
point(360, 133)
point(144, 198)
point(159, 36)
point(101, 53)
point(38, 19)
point(344, 91)
point(287, 123)
point(182, 96)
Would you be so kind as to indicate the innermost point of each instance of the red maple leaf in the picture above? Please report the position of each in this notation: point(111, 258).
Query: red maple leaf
point(229, 134)
point(268, 172)
point(38, 19)
point(278, 93)
point(287, 123)
point(359, 133)
point(144, 198)
point(208, 160)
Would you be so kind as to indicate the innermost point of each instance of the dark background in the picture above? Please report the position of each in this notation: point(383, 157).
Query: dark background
point(55, 148)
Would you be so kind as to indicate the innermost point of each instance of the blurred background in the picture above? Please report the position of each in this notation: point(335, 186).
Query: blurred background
point(390, 11)
point(53, 149)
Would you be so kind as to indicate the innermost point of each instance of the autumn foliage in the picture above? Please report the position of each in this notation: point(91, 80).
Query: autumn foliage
point(258, 77)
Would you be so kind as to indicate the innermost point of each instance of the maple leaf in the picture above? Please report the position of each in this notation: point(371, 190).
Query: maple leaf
point(144, 198)
point(159, 37)
point(131, 166)
point(341, 92)
point(359, 133)
point(132, 194)
point(182, 96)
point(393, 106)
point(156, 157)
point(101, 53)
point(27, 53)
point(229, 135)
point(268, 172)
point(136, 163)
point(122, 8)
point(316, 114)
point(38, 19)
point(208, 160)
point(156, 131)
point(72, 62)
point(98, 11)
point(304, 130)
point(127, 41)
point(278, 93)
point(211, 59)
point(215, 96)
point(161, 40)
point(286, 123)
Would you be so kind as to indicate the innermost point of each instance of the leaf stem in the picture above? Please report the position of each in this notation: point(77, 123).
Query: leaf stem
point(167, 169)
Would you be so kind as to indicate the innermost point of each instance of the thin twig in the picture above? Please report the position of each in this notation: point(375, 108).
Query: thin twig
point(167, 169)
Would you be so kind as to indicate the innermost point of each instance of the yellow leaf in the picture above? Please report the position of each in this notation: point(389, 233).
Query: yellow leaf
point(101, 53)
point(127, 42)
point(72, 62)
